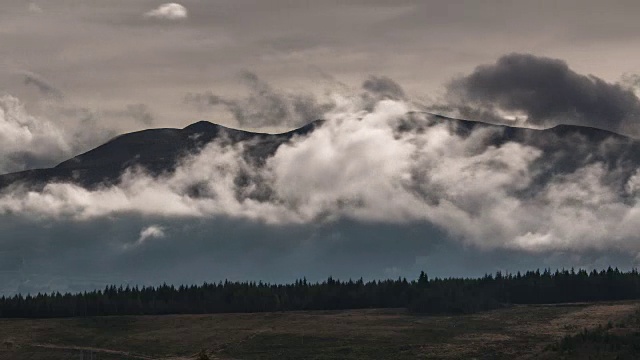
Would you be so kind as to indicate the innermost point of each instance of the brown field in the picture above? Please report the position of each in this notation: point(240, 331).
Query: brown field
point(519, 332)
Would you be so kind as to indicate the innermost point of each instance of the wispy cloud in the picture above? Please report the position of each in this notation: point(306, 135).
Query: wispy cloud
point(265, 105)
point(44, 87)
point(146, 234)
point(268, 106)
point(34, 8)
point(373, 162)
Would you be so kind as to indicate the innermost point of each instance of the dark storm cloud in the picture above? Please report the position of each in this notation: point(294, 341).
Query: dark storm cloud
point(547, 92)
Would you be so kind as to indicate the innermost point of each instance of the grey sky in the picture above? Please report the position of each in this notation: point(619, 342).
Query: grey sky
point(107, 56)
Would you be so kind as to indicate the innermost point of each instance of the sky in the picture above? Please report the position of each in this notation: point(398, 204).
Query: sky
point(131, 65)
point(76, 73)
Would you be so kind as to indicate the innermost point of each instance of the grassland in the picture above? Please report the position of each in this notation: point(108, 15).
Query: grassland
point(519, 332)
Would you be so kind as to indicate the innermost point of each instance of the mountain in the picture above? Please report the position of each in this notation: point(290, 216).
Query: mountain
point(565, 148)
point(157, 150)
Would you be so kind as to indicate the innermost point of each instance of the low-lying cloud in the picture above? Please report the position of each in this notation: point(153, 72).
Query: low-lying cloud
point(383, 166)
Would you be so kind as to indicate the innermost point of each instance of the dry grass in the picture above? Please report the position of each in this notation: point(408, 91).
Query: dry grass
point(516, 332)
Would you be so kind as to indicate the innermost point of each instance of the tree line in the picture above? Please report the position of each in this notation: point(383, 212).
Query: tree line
point(423, 295)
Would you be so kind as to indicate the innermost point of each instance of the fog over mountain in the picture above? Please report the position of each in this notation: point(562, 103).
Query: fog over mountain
point(380, 187)
point(144, 142)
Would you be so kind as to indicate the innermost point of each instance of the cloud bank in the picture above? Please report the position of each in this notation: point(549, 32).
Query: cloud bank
point(386, 165)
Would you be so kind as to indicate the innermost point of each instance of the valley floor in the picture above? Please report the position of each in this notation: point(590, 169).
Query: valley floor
point(519, 332)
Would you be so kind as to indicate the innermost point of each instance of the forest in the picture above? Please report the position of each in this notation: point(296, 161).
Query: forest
point(422, 295)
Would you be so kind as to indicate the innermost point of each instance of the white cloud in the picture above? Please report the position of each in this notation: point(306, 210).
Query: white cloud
point(147, 233)
point(151, 232)
point(27, 140)
point(359, 166)
point(169, 11)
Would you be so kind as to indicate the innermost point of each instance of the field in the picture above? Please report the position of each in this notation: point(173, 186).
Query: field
point(519, 332)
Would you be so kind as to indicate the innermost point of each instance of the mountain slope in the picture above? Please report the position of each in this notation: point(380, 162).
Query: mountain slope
point(157, 150)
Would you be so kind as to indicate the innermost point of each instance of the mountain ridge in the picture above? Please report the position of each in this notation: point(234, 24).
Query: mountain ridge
point(158, 150)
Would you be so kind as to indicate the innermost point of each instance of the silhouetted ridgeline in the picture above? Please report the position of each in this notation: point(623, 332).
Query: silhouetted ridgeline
point(452, 295)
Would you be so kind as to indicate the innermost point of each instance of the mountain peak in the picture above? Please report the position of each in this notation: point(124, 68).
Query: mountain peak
point(202, 126)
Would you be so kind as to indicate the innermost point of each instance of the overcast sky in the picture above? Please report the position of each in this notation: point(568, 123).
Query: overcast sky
point(74, 73)
point(112, 56)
